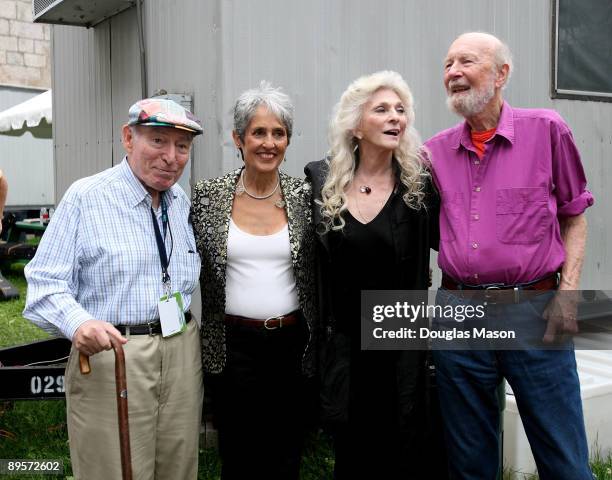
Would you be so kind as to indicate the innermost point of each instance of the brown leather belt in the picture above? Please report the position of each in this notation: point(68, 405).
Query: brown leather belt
point(271, 323)
point(550, 282)
point(151, 328)
point(501, 293)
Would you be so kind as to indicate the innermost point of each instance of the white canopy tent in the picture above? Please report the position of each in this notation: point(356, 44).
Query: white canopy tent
point(33, 115)
point(26, 159)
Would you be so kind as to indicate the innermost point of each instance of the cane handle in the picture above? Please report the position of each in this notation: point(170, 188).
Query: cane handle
point(84, 364)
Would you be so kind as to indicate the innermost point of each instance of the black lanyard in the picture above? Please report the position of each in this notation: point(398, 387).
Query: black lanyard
point(161, 247)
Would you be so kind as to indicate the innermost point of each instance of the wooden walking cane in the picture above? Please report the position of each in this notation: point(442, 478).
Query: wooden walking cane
point(122, 404)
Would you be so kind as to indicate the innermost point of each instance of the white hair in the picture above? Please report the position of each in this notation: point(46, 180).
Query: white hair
point(272, 98)
point(503, 56)
point(409, 156)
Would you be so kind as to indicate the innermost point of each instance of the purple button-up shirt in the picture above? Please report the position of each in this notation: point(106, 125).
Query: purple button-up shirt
point(499, 214)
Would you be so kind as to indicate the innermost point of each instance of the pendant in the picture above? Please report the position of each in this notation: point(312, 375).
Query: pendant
point(365, 189)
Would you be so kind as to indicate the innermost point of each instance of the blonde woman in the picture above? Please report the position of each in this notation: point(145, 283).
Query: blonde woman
point(375, 212)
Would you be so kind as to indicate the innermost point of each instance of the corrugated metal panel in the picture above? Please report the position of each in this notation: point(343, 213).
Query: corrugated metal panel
point(214, 50)
point(183, 56)
point(125, 73)
point(591, 123)
point(82, 116)
point(27, 162)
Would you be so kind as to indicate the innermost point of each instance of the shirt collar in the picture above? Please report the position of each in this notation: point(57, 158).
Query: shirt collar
point(505, 128)
point(137, 191)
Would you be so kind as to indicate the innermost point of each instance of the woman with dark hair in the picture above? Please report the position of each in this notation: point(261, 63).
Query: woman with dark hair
point(254, 234)
point(375, 212)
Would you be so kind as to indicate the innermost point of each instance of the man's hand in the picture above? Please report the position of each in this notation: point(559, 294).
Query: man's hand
point(93, 336)
point(560, 315)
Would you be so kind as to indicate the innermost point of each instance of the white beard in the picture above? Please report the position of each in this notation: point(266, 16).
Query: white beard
point(473, 102)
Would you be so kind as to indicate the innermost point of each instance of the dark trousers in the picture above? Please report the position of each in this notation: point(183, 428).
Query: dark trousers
point(258, 403)
point(384, 432)
point(547, 391)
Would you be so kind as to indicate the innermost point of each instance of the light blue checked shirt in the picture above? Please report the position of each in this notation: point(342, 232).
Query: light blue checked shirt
point(98, 257)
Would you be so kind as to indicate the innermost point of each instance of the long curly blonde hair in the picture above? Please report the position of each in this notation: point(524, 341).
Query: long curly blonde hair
point(409, 156)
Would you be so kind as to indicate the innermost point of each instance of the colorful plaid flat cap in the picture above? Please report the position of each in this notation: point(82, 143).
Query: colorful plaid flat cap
point(161, 112)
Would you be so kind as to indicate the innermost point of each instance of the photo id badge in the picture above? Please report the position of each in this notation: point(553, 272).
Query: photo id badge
point(171, 315)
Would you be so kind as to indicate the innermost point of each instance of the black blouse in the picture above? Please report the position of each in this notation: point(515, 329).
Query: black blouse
point(362, 257)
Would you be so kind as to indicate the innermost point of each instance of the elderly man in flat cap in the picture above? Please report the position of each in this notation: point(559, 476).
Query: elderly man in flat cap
point(118, 263)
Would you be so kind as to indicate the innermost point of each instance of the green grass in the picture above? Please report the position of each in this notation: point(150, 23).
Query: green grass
point(34, 430)
point(602, 466)
point(14, 329)
point(318, 458)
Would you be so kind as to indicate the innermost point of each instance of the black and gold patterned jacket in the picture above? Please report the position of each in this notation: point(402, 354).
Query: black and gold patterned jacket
point(210, 213)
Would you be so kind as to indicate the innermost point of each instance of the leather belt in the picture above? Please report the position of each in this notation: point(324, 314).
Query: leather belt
point(271, 323)
point(550, 282)
point(150, 328)
point(502, 293)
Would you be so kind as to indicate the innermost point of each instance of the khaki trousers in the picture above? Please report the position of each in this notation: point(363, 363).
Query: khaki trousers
point(164, 379)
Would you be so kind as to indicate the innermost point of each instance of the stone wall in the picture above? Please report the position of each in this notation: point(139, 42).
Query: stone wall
point(25, 58)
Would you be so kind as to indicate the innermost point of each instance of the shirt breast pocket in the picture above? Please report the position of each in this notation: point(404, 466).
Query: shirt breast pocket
point(522, 215)
point(187, 269)
point(450, 214)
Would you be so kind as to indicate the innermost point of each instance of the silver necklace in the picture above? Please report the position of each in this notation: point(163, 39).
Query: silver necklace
point(241, 188)
point(257, 197)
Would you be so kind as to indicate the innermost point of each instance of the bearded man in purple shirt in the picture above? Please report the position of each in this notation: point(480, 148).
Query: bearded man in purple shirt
point(513, 195)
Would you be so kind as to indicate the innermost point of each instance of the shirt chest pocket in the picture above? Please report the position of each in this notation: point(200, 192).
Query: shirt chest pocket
point(522, 215)
point(185, 261)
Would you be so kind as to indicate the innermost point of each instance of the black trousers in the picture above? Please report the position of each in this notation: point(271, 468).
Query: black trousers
point(257, 403)
point(385, 428)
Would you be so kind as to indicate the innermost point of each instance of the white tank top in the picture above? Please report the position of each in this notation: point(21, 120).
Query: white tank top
point(259, 279)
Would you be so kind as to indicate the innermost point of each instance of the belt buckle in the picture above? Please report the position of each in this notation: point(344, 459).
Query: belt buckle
point(280, 322)
point(150, 325)
point(492, 286)
point(515, 292)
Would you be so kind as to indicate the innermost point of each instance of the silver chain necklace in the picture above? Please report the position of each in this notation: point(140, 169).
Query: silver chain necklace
point(241, 188)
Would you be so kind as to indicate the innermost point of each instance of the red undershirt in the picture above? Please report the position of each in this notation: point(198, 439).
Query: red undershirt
point(479, 139)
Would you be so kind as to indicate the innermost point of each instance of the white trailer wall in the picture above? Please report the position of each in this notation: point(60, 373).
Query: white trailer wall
point(215, 49)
